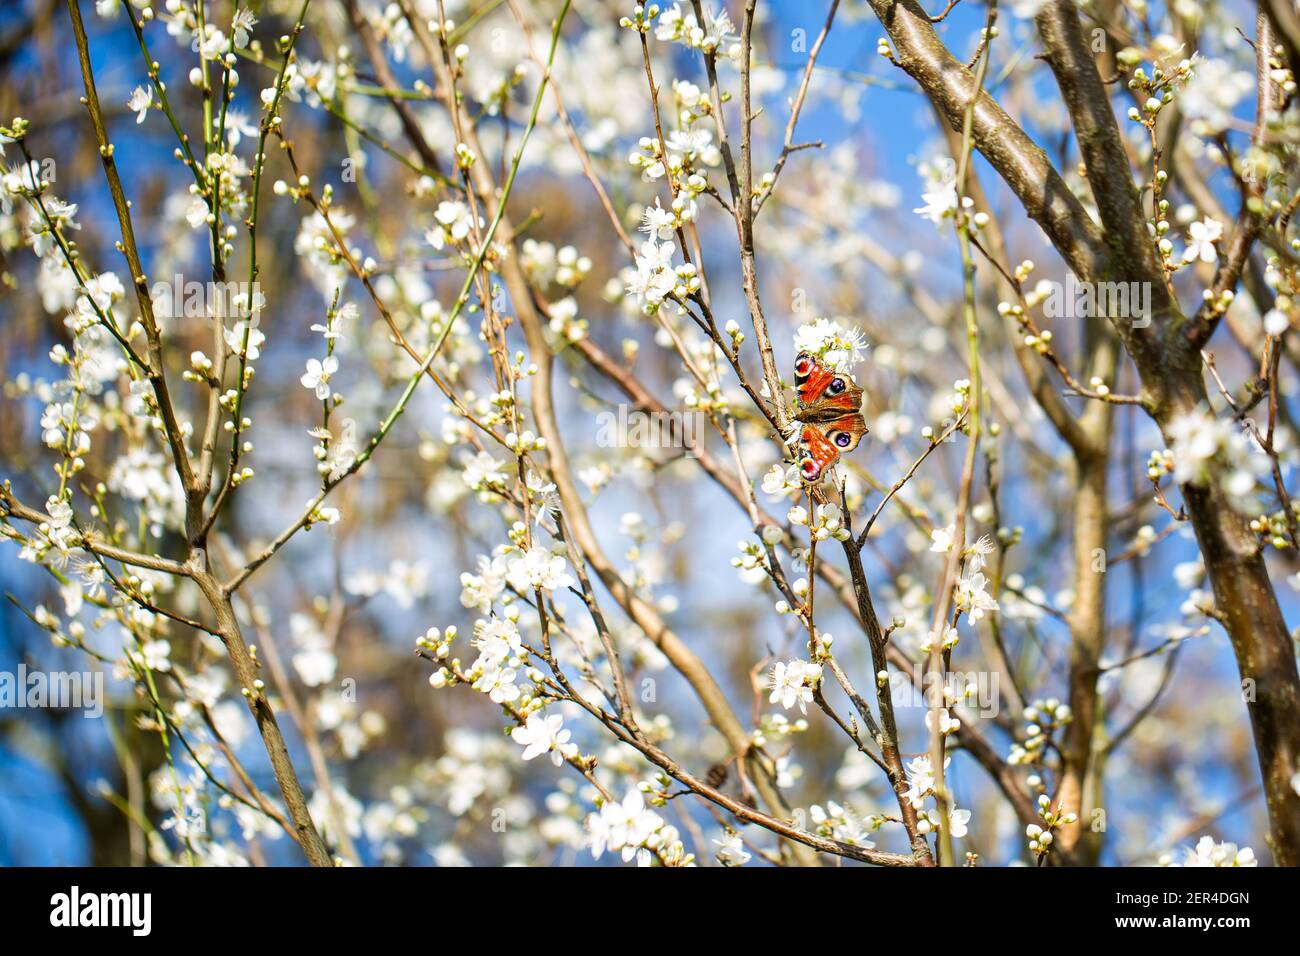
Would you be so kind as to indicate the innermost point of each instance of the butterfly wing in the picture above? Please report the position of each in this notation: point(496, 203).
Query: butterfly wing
point(820, 444)
point(816, 454)
point(830, 408)
point(811, 378)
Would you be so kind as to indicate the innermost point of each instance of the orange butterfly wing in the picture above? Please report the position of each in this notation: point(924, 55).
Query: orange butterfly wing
point(831, 413)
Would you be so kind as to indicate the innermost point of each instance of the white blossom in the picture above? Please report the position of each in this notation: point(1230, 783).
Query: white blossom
point(317, 376)
point(626, 827)
point(972, 598)
point(538, 568)
point(140, 101)
point(541, 735)
point(794, 682)
point(838, 347)
point(1208, 852)
point(1201, 239)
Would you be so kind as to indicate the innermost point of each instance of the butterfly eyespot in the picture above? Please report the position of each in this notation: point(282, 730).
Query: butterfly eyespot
point(836, 386)
point(803, 366)
point(809, 469)
point(843, 439)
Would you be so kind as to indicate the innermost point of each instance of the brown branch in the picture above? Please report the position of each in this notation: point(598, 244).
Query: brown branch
point(1251, 219)
point(1021, 163)
point(140, 282)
